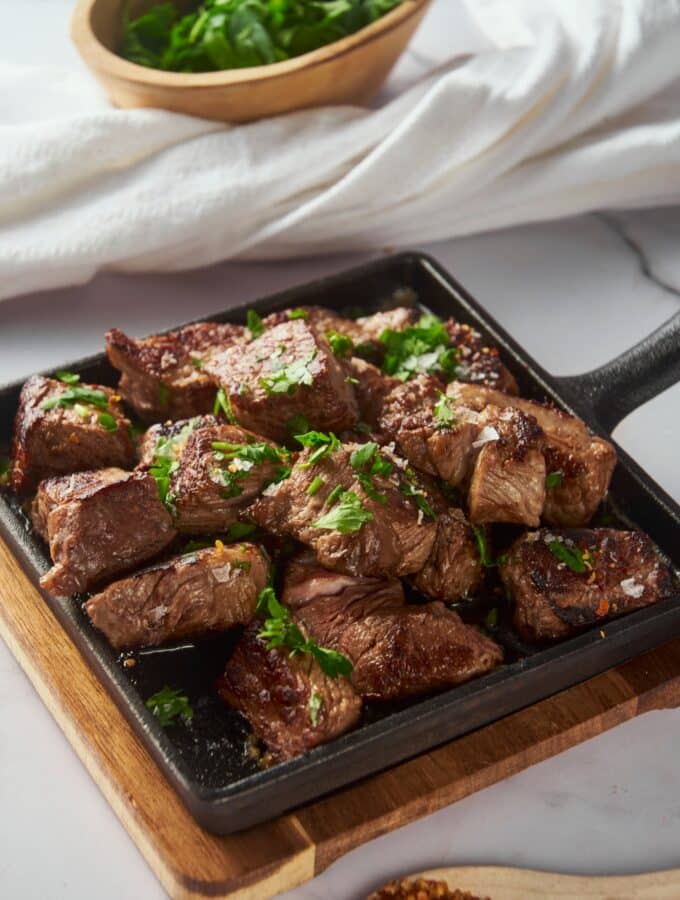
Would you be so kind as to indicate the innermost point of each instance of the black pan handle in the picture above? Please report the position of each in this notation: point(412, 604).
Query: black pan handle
point(612, 391)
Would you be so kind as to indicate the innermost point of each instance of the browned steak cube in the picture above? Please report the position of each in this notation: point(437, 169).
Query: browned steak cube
point(214, 472)
point(508, 480)
point(206, 591)
point(321, 320)
point(396, 319)
point(561, 581)
point(164, 376)
point(175, 433)
point(453, 569)
point(356, 522)
point(579, 465)
point(291, 704)
point(434, 435)
point(478, 362)
point(371, 387)
point(398, 650)
point(67, 427)
point(98, 524)
point(287, 373)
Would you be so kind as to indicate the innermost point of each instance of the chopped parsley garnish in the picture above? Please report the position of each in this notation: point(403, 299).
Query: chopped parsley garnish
point(363, 455)
point(444, 411)
point(106, 420)
point(572, 556)
point(254, 324)
point(424, 347)
point(168, 704)
point(284, 379)
point(238, 530)
point(279, 631)
point(483, 547)
point(335, 495)
point(298, 314)
point(166, 461)
point(554, 479)
point(197, 362)
point(5, 469)
point(315, 486)
point(68, 377)
point(77, 394)
point(163, 394)
point(341, 344)
point(242, 458)
point(369, 488)
point(367, 461)
point(411, 489)
point(314, 706)
point(222, 405)
point(324, 443)
point(347, 516)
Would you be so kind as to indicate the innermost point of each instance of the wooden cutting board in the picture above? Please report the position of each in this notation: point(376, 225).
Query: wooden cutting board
point(271, 858)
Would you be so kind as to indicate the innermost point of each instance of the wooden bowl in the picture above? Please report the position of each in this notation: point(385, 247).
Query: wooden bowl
point(348, 71)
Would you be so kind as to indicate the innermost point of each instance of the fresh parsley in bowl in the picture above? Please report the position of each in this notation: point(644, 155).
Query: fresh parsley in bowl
point(235, 34)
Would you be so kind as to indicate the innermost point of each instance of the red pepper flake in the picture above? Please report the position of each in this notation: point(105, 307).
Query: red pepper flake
point(602, 609)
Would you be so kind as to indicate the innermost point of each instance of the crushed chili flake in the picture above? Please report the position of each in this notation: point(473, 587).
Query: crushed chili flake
point(603, 608)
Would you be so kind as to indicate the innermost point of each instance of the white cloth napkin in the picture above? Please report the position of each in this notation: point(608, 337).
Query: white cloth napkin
point(571, 105)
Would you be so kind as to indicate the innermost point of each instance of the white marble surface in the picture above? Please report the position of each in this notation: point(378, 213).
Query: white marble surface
point(575, 293)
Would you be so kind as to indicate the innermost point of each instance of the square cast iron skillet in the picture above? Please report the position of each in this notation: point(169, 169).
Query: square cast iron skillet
point(208, 762)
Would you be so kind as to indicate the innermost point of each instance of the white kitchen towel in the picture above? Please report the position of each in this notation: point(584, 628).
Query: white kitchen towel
point(570, 105)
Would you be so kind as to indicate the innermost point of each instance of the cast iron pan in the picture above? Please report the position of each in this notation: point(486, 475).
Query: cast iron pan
point(209, 762)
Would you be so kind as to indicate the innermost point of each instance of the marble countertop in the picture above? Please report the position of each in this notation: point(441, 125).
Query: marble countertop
point(575, 293)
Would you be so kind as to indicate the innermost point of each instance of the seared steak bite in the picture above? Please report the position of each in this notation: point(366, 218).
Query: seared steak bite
point(561, 581)
point(479, 363)
point(287, 373)
point(98, 524)
point(291, 704)
point(320, 320)
point(362, 516)
point(453, 569)
point(163, 376)
point(508, 480)
point(581, 464)
point(435, 436)
point(220, 470)
point(372, 327)
point(67, 427)
point(175, 433)
point(397, 650)
point(371, 387)
point(210, 590)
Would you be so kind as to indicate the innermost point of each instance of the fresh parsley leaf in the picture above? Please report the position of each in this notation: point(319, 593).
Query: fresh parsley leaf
point(347, 516)
point(68, 377)
point(286, 378)
point(163, 395)
point(107, 421)
point(314, 706)
point(232, 34)
point(554, 480)
point(298, 314)
point(5, 469)
point(169, 704)
point(298, 425)
point(254, 324)
point(324, 443)
point(222, 405)
point(572, 556)
point(341, 344)
point(77, 394)
point(165, 461)
point(315, 486)
point(279, 631)
point(238, 530)
point(335, 495)
point(369, 488)
point(363, 455)
point(197, 362)
point(424, 347)
point(241, 459)
point(491, 619)
point(411, 489)
point(483, 547)
point(444, 412)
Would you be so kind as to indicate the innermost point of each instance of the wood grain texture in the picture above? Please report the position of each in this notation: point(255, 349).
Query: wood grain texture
point(349, 71)
point(501, 883)
point(271, 858)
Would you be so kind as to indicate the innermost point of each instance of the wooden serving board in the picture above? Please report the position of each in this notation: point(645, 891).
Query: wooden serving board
point(274, 857)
